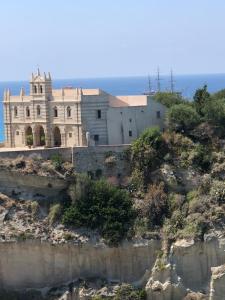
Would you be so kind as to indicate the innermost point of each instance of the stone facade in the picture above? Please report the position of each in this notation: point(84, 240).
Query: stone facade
point(71, 117)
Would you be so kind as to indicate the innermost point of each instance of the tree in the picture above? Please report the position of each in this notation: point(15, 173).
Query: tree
point(200, 98)
point(168, 99)
point(147, 151)
point(100, 206)
point(182, 118)
point(219, 95)
point(214, 112)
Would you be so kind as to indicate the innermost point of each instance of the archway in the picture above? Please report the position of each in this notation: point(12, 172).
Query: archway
point(29, 139)
point(40, 136)
point(57, 137)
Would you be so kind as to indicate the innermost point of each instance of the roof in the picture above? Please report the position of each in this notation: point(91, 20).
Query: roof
point(125, 101)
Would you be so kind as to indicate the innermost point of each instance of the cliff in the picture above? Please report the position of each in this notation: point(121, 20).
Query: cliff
point(191, 270)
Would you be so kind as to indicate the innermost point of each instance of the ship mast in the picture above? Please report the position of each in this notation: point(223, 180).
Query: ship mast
point(172, 82)
point(149, 84)
point(158, 81)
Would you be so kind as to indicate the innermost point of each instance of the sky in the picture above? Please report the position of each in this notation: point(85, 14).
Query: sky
point(105, 38)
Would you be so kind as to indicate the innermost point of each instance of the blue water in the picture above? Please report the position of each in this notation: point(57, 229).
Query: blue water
point(187, 84)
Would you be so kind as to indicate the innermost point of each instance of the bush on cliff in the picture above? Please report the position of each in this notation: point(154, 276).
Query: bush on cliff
point(127, 292)
point(147, 151)
point(155, 205)
point(182, 118)
point(99, 205)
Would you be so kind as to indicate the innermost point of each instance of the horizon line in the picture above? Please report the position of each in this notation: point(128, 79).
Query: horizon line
point(119, 76)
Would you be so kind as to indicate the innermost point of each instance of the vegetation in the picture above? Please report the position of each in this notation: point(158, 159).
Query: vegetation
point(30, 140)
point(176, 188)
point(168, 99)
point(182, 118)
point(55, 213)
point(155, 205)
point(127, 292)
point(201, 97)
point(98, 205)
point(147, 152)
point(57, 161)
point(192, 144)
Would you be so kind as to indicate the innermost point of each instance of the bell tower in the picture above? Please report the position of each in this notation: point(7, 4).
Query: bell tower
point(41, 85)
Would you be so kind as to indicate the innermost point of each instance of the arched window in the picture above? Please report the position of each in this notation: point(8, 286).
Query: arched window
point(35, 89)
point(68, 111)
point(38, 110)
point(41, 89)
point(15, 111)
point(55, 112)
point(27, 111)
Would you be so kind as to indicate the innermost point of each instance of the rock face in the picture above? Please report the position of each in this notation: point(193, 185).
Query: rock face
point(189, 267)
point(33, 187)
point(191, 270)
point(194, 261)
point(217, 285)
point(35, 264)
point(164, 284)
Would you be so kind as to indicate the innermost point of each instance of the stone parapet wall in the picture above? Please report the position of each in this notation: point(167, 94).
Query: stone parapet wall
point(96, 160)
point(66, 153)
point(102, 160)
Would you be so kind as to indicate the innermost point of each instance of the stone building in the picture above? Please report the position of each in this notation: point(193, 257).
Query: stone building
point(75, 117)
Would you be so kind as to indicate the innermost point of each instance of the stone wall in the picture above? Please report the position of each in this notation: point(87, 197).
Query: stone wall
point(102, 160)
point(66, 153)
point(95, 160)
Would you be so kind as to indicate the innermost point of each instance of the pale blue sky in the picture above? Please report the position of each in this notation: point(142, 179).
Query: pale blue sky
point(100, 38)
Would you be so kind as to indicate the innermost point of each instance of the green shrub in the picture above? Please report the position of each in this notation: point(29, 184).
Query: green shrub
point(99, 205)
point(155, 206)
point(147, 151)
point(54, 213)
point(217, 191)
point(182, 118)
point(168, 99)
point(214, 112)
point(175, 223)
point(175, 202)
point(34, 209)
point(127, 292)
point(201, 97)
point(57, 161)
point(29, 140)
point(196, 226)
point(202, 157)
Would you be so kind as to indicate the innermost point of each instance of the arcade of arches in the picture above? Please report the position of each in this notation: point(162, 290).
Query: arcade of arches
point(36, 137)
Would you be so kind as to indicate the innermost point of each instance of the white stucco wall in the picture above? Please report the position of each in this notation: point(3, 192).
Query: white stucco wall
point(121, 120)
point(90, 121)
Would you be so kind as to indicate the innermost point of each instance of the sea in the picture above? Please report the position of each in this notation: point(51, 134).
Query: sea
point(186, 84)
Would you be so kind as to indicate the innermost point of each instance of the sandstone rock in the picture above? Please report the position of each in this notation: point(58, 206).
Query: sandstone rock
point(164, 284)
point(217, 284)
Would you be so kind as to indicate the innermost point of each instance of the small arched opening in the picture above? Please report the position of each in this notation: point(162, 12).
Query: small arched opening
point(57, 137)
point(15, 111)
point(27, 112)
point(38, 110)
point(55, 112)
point(68, 112)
